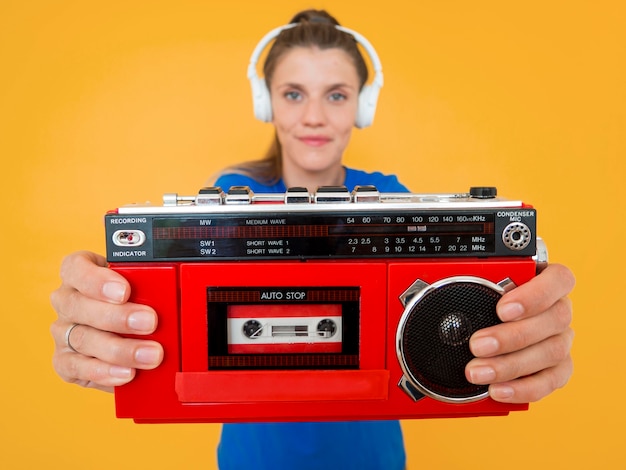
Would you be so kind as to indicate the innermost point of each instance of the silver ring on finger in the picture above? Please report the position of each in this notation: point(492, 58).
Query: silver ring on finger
point(68, 332)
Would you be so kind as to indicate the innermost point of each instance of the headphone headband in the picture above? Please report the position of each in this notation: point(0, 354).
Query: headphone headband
point(368, 95)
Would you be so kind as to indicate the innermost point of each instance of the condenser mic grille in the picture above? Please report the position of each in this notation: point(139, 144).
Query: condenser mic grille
point(435, 340)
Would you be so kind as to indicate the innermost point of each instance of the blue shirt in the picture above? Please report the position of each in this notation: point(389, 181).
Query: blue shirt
point(359, 445)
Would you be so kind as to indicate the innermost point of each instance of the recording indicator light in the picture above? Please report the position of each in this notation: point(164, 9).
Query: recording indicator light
point(129, 238)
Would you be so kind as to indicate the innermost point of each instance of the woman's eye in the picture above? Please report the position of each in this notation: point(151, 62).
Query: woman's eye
point(293, 95)
point(337, 97)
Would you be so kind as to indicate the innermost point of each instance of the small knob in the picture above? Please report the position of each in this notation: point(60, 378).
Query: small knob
point(483, 192)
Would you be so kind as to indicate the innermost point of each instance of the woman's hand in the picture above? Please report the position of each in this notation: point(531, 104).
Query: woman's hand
point(94, 298)
point(528, 356)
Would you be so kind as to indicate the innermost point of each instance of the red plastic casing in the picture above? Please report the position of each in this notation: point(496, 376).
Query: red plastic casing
point(183, 389)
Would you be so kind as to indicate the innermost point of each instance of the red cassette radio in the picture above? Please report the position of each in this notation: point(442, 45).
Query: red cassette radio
point(332, 305)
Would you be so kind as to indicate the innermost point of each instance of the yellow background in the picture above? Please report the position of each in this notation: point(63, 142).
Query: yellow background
point(105, 103)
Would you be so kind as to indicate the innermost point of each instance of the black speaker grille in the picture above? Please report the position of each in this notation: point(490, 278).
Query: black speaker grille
point(435, 340)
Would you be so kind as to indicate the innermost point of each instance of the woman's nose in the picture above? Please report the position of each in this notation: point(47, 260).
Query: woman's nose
point(313, 113)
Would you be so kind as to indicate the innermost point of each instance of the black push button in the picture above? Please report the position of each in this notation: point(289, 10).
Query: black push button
point(297, 195)
point(366, 193)
point(332, 194)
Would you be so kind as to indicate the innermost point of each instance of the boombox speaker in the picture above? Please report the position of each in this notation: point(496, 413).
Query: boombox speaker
point(434, 331)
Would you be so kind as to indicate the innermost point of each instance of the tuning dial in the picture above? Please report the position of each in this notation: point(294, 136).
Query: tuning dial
point(483, 192)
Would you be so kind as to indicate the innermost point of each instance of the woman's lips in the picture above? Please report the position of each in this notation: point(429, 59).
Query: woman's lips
point(314, 140)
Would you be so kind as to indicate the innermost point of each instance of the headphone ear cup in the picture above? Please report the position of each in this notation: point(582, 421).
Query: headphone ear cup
point(368, 97)
point(261, 101)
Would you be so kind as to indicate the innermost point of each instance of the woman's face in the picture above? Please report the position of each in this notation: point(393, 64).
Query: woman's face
point(314, 102)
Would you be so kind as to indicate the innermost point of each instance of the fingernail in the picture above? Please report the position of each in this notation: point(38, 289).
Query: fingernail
point(148, 356)
point(120, 372)
point(141, 321)
point(510, 312)
point(114, 291)
point(482, 375)
point(485, 346)
point(501, 392)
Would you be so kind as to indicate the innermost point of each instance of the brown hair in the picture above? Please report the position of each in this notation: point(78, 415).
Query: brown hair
point(316, 28)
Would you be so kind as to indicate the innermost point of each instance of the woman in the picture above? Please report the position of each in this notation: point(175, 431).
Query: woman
point(314, 74)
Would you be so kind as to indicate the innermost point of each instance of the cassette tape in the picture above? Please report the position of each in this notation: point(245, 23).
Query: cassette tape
point(265, 329)
point(330, 305)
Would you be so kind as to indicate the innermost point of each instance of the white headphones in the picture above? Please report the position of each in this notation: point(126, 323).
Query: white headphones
point(368, 96)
